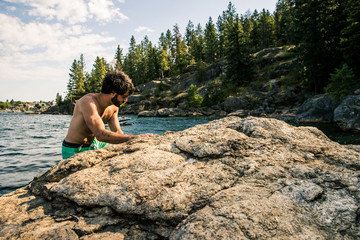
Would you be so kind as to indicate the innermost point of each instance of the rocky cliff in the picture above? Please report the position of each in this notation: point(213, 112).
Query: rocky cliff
point(233, 178)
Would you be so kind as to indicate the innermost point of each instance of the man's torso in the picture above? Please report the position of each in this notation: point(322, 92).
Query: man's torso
point(78, 131)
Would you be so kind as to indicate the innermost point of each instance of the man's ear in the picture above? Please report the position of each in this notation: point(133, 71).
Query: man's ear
point(113, 94)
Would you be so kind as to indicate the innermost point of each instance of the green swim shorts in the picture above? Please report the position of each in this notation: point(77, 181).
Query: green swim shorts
point(70, 149)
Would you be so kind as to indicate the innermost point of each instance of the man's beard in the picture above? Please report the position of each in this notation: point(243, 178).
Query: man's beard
point(115, 101)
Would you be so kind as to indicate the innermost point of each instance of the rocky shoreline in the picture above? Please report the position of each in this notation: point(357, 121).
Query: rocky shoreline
point(270, 95)
point(318, 109)
point(232, 178)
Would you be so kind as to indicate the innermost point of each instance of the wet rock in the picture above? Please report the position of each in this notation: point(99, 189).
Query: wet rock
point(347, 114)
point(319, 109)
point(232, 178)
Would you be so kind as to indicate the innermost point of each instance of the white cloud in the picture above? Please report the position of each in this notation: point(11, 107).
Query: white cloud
point(34, 54)
point(104, 10)
point(19, 37)
point(74, 11)
point(143, 29)
point(11, 8)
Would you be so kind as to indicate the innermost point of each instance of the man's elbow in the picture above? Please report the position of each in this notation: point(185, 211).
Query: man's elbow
point(102, 137)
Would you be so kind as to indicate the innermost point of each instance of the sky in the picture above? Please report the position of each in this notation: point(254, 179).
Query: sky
point(40, 39)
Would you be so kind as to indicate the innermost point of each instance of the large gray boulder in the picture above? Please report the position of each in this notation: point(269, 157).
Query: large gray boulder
point(234, 103)
point(347, 114)
point(233, 178)
point(318, 109)
point(136, 98)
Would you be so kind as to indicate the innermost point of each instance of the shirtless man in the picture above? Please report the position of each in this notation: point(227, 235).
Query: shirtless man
point(91, 113)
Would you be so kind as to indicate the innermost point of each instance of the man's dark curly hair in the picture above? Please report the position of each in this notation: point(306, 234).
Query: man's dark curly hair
point(118, 82)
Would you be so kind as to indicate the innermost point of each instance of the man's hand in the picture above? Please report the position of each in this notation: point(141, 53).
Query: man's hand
point(144, 135)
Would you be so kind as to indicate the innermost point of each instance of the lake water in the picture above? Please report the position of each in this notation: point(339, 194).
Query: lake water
point(31, 144)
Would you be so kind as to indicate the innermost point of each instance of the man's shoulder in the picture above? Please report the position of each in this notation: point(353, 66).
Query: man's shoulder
point(88, 98)
point(86, 103)
point(113, 108)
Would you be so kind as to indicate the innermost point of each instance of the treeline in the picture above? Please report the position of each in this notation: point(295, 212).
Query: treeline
point(22, 105)
point(326, 35)
point(11, 104)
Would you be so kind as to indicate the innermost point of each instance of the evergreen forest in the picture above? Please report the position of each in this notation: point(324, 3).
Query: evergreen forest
point(325, 33)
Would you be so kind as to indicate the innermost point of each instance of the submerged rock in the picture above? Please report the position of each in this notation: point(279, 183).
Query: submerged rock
point(233, 178)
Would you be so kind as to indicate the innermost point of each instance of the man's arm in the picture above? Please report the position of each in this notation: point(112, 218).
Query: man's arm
point(114, 124)
point(97, 126)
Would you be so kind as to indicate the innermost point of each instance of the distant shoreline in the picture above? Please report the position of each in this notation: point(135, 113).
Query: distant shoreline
point(19, 111)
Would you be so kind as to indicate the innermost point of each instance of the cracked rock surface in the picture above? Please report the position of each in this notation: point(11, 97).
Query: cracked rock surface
point(233, 178)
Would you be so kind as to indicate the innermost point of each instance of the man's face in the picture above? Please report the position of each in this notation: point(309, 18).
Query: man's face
point(119, 100)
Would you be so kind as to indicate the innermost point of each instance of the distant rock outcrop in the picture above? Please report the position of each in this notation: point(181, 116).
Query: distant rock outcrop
point(66, 109)
point(233, 178)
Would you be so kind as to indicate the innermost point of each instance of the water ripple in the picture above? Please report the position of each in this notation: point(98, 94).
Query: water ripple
point(13, 154)
point(6, 129)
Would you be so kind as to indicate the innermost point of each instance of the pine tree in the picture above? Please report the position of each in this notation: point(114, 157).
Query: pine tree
point(164, 62)
point(142, 61)
point(254, 37)
point(80, 80)
point(180, 53)
point(71, 83)
point(97, 75)
point(152, 58)
point(190, 38)
point(239, 69)
point(264, 31)
point(284, 22)
point(350, 35)
point(76, 83)
point(130, 64)
point(197, 44)
point(318, 25)
point(342, 83)
point(189, 33)
point(172, 48)
point(118, 58)
point(164, 56)
point(58, 99)
point(194, 99)
point(220, 27)
point(211, 43)
point(248, 27)
point(222, 24)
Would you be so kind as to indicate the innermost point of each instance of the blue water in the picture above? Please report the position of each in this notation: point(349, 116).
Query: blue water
point(31, 144)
